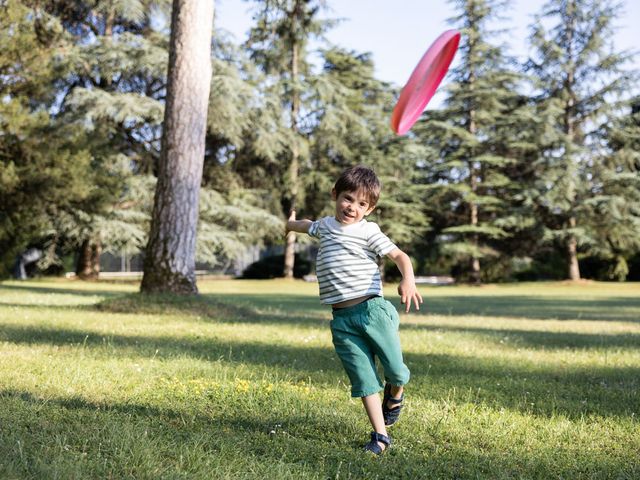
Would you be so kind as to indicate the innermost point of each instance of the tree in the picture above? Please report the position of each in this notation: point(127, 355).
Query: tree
point(108, 85)
point(43, 173)
point(278, 43)
point(613, 211)
point(579, 83)
point(169, 264)
point(351, 111)
point(471, 141)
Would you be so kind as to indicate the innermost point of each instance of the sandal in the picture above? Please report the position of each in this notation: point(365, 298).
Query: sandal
point(391, 415)
point(373, 446)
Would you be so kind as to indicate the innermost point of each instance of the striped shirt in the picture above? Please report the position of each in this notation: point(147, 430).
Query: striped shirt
point(347, 265)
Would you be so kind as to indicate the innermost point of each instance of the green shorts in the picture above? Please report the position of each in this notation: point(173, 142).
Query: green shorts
point(363, 332)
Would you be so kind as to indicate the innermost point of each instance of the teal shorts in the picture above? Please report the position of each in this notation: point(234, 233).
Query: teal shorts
point(363, 332)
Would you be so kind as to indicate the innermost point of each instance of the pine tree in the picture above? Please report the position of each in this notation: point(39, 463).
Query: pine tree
point(613, 211)
point(470, 143)
point(110, 82)
point(352, 111)
point(279, 42)
point(579, 82)
point(245, 134)
point(169, 264)
point(42, 172)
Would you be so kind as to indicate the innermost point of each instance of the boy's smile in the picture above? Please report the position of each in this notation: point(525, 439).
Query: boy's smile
point(351, 207)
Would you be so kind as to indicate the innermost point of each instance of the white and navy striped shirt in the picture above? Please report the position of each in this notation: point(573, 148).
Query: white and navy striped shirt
point(346, 265)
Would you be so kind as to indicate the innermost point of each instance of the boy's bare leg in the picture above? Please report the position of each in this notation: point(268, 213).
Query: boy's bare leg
point(396, 393)
point(373, 407)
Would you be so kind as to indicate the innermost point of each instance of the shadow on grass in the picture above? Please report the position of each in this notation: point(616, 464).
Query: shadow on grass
point(260, 309)
point(568, 390)
point(130, 440)
point(512, 338)
point(63, 290)
point(298, 309)
point(624, 309)
point(291, 308)
point(283, 308)
point(287, 357)
point(165, 436)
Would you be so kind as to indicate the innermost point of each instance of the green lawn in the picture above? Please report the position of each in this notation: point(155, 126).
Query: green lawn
point(515, 381)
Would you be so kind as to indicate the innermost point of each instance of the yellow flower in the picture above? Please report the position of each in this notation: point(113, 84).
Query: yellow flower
point(242, 386)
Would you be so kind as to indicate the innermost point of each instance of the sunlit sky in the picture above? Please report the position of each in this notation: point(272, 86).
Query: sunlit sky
point(397, 32)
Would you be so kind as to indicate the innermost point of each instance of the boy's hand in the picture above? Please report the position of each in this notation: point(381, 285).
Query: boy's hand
point(409, 293)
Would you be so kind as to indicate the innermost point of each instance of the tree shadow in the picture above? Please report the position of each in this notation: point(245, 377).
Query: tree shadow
point(301, 309)
point(63, 290)
point(543, 340)
point(568, 390)
point(624, 309)
point(285, 308)
point(112, 436)
point(287, 357)
point(262, 309)
point(81, 423)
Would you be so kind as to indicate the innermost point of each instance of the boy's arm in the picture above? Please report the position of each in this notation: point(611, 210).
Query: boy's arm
point(407, 288)
point(299, 226)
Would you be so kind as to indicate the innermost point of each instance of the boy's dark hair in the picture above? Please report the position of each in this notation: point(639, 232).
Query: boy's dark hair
point(359, 178)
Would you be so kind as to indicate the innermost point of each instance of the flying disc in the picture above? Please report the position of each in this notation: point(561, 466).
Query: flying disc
point(424, 81)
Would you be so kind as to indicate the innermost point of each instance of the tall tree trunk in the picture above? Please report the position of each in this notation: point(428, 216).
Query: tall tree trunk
point(169, 264)
point(83, 264)
point(473, 206)
point(294, 166)
point(572, 253)
point(96, 253)
point(88, 264)
point(570, 131)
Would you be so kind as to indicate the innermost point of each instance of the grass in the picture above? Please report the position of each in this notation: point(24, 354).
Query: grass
point(515, 381)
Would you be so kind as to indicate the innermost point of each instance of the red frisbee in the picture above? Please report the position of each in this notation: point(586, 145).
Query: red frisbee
point(424, 81)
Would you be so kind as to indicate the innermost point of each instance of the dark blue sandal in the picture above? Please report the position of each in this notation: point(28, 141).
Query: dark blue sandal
point(391, 415)
point(373, 446)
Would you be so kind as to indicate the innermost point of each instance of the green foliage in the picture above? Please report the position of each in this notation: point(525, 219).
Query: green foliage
point(474, 145)
point(43, 169)
point(229, 225)
point(279, 25)
point(613, 212)
point(505, 171)
point(351, 111)
point(580, 85)
point(246, 137)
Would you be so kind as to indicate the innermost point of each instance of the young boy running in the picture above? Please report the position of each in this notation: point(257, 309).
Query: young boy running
point(364, 324)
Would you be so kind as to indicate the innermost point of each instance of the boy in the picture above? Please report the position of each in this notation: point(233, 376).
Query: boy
point(364, 324)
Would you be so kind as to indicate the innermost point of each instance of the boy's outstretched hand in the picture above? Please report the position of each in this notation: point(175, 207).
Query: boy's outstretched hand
point(298, 226)
point(407, 288)
point(408, 294)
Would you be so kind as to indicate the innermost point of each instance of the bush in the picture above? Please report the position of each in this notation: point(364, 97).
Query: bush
point(634, 268)
point(271, 267)
point(546, 265)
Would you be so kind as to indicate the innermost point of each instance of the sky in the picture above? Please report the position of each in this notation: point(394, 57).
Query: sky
point(398, 32)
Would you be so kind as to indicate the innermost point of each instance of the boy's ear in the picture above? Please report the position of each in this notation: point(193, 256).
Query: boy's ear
point(333, 194)
point(371, 209)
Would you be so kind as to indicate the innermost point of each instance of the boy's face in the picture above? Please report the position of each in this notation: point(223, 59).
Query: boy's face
point(351, 207)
